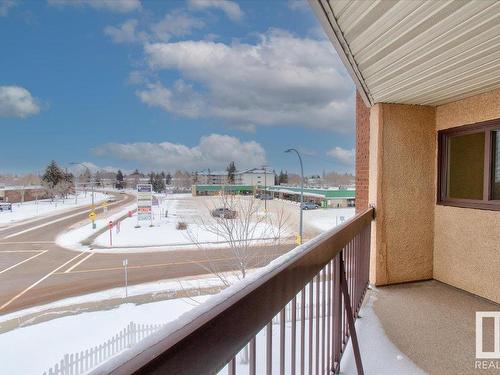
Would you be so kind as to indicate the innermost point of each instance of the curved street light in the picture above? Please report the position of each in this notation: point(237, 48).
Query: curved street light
point(91, 182)
point(301, 191)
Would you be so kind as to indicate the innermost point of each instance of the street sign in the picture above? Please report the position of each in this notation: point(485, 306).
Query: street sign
point(92, 216)
point(144, 201)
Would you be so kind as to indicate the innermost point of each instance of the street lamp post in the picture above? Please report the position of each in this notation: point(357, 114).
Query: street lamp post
point(265, 187)
point(301, 192)
point(91, 183)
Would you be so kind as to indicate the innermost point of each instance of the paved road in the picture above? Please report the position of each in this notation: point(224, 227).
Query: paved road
point(35, 270)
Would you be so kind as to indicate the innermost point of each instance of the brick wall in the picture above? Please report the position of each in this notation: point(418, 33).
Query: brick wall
point(14, 196)
point(362, 153)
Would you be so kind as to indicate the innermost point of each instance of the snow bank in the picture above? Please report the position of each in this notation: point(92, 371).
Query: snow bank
point(72, 239)
point(44, 207)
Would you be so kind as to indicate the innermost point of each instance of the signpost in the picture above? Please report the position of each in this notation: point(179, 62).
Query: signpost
point(125, 264)
point(92, 217)
point(110, 225)
point(144, 203)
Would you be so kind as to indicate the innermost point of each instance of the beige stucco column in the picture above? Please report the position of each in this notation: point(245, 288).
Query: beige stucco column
point(402, 170)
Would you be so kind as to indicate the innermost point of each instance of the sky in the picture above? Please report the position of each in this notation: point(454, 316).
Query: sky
point(168, 85)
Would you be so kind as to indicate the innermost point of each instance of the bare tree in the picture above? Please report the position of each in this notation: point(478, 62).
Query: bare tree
point(245, 226)
point(63, 188)
point(49, 189)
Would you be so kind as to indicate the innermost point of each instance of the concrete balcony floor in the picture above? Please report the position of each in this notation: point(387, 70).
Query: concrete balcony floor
point(418, 328)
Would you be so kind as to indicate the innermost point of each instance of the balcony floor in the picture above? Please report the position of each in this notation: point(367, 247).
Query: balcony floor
point(417, 328)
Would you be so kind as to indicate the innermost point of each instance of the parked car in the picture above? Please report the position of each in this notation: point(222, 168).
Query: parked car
point(5, 206)
point(224, 213)
point(266, 197)
point(309, 206)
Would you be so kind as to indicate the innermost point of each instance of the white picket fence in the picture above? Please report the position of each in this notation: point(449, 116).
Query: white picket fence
point(84, 361)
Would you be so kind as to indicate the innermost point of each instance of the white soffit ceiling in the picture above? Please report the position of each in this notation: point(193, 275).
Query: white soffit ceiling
point(416, 51)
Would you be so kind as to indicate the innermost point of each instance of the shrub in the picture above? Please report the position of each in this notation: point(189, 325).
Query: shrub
point(181, 225)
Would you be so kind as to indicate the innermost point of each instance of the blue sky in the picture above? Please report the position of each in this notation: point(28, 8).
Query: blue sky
point(166, 85)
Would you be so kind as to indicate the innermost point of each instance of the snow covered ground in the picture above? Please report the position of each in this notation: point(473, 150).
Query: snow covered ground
point(46, 343)
point(72, 238)
point(324, 219)
point(44, 207)
point(170, 211)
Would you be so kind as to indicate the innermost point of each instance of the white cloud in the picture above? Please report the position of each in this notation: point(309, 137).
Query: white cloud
point(16, 101)
point(126, 32)
point(280, 80)
point(78, 169)
point(119, 6)
point(232, 9)
point(212, 151)
point(181, 100)
point(6, 5)
point(343, 156)
point(301, 5)
point(175, 23)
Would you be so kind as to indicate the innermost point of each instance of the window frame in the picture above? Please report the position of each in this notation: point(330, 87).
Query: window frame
point(486, 203)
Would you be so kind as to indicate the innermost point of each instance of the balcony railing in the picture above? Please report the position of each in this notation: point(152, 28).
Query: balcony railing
point(315, 291)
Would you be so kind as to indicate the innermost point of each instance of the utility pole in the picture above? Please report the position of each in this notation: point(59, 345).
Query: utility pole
point(301, 192)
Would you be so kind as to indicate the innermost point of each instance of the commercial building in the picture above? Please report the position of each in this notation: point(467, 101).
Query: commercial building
point(15, 194)
point(335, 198)
point(213, 189)
point(253, 177)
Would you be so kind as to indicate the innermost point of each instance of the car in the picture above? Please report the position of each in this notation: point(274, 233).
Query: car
point(309, 206)
point(224, 213)
point(111, 200)
point(266, 197)
point(5, 206)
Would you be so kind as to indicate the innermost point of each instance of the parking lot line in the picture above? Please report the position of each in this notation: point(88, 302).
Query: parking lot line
point(78, 263)
point(24, 261)
point(156, 264)
point(21, 251)
point(20, 294)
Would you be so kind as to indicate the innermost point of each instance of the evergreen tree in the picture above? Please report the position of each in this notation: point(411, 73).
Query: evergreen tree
point(168, 178)
point(158, 183)
point(97, 178)
point(283, 177)
point(87, 176)
point(119, 179)
point(231, 170)
point(53, 174)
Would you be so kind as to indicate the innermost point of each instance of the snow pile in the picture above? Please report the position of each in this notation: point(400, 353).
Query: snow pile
point(72, 239)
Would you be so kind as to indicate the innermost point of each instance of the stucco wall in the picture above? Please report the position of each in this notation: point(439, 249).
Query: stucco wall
point(402, 186)
point(467, 241)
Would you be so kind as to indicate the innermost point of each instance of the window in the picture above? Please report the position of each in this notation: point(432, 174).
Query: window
point(469, 166)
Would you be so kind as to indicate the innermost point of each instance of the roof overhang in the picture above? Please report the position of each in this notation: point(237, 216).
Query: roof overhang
point(415, 51)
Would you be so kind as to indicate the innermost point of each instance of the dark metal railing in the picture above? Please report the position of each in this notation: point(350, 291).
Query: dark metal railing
point(313, 294)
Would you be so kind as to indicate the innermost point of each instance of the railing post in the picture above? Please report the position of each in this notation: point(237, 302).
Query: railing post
point(350, 318)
